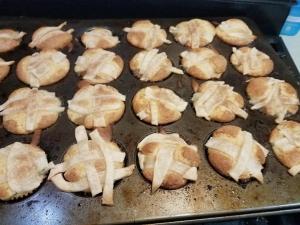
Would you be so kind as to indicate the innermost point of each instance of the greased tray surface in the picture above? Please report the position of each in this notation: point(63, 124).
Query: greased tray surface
point(211, 195)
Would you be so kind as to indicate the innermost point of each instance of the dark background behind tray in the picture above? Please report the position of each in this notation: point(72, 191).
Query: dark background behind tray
point(211, 196)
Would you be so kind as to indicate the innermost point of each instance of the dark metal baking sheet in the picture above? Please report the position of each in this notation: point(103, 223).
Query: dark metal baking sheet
point(212, 196)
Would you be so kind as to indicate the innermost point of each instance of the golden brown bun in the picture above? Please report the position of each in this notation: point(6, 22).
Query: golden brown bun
point(154, 70)
point(287, 100)
point(110, 116)
point(16, 122)
point(252, 62)
point(58, 70)
point(141, 35)
point(203, 63)
point(194, 33)
point(235, 32)
point(25, 164)
point(224, 162)
point(141, 103)
point(184, 154)
point(288, 154)
point(12, 41)
point(88, 62)
point(4, 69)
point(222, 112)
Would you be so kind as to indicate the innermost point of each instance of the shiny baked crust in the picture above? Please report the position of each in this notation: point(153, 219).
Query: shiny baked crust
point(27, 110)
point(215, 100)
point(23, 167)
point(234, 153)
point(43, 68)
point(235, 32)
point(194, 33)
point(203, 63)
point(98, 66)
point(4, 68)
point(167, 160)
point(157, 105)
point(146, 35)
point(98, 37)
point(51, 37)
point(285, 140)
point(149, 65)
point(274, 97)
point(96, 106)
point(91, 166)
point(252, 62)
point(10, 39)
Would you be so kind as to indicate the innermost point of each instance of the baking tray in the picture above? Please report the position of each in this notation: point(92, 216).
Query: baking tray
point(212, 197)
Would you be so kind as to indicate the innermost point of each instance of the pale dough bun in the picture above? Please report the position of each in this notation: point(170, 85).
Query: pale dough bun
point(4, 68)
point(224, 154)
point(98, 66)
point(146, 35)
point(23, 168)
point(285, 140)
point(43, 68)
point(235, 32)
point(27, 110)
point(157, 105)
point(96, 106)
point(252, 62)
point(149, 65)
point(203, 63)
point(98, 37)
point(215, 100)
point(10, 39)
point(274, 97)
point(52, 37)
point(91, 166)
point(167, 161)
point(194, 33)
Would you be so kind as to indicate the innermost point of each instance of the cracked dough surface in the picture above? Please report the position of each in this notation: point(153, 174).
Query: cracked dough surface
point(235, 32)
point(194, 33)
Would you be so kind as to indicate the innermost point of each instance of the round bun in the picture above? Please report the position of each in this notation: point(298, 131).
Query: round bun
point(215, 100)
point(285, 140)
point(98, 37)
point(235, 32)
point(157, 105)
point(167, 161)
point(46, 38)
point(252, 62)
point(96, 106)
point(203, 63)
point(23, 168)
point(43, 68)
point(234, 153)
point(10, 39)
point(98, 66)
point(146, 35)
point(91, 165)
point(149, 65)
point(194, 33)
point(27, 110)
point(274, 97)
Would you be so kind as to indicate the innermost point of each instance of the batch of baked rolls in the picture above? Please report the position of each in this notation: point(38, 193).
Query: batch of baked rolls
point(166, 160)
